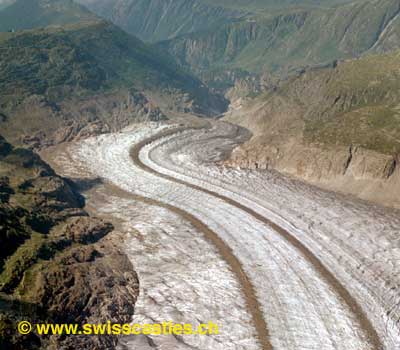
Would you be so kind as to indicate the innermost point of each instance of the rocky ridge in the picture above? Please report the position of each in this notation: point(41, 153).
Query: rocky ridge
point(64, 81)
point(57, 264)
point(337, 127)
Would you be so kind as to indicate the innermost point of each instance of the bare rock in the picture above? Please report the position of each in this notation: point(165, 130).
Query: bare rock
point(87, 230)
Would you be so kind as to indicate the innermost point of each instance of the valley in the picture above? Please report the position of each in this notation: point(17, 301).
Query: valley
point(257, 226)
point(187, 161)
point(85, 75)
point(225, 40)
point(335, 127)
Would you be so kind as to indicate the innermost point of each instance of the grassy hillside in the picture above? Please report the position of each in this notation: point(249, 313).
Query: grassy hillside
point(215, 38)
point(211, 38)
point(337, 127)
point(355, 103)
point(82, 59)
point(69, 51)
point(358, 104)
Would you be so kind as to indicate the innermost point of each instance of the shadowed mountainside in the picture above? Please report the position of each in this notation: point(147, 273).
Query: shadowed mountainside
point(65, 81)
point(223, 41)
point(27, 14)
point(286, 40)
point(155, 20)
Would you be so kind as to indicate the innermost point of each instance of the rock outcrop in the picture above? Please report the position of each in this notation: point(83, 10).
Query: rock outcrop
point(57, 264)
point(74, 119)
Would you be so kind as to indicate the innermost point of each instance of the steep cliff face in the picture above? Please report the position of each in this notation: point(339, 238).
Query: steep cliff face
point(155, 20)
point(337, 127)
point(257, 5)
point(210, 38)
point(286, 40)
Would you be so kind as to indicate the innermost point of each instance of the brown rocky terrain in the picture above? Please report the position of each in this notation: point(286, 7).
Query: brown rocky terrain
point(57, 264)
point(336, 127)
point(76, 118)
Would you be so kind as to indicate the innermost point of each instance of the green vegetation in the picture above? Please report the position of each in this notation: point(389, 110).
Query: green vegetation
point(56, 81)
point(374, 128)
point(27, 212)
point(258, 35)
point(80, 56)
point(365, 107)
point(284, 40)
point(82, 59)
point(353, 103)
point(15, 267)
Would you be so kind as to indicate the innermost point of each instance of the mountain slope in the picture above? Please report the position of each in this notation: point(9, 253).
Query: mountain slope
point(338, 126)
point(82, 58)
point(257, 5)
point(223, 41)
point(156, 20)
point(27, 14)
point(54, 261)
point(355, 102)
point(286, 40)
point(86, 76)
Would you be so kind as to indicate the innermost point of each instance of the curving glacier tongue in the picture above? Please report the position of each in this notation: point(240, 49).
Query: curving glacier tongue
point(302, 308)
